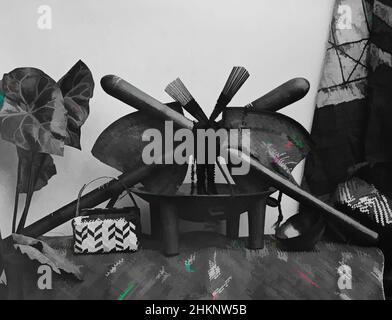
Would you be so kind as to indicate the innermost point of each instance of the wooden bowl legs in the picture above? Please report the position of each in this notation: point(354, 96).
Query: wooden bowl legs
point(155, 221)
point(164, 225)
point(256, 222)
point(169, 224)
point(232, 224)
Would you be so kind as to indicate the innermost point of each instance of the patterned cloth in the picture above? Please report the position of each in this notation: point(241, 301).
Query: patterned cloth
point(366, 200)
point(340, 115)
point(211, 267)
point(378, 142)
point(354, 112)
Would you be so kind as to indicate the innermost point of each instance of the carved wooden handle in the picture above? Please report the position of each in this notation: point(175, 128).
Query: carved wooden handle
point(127, 93)
point(280, 97)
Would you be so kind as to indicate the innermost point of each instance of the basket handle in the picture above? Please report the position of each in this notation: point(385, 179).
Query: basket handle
point(99, 178)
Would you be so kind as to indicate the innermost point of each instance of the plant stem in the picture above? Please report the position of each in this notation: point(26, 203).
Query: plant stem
point(16, 197)
point(30, 191)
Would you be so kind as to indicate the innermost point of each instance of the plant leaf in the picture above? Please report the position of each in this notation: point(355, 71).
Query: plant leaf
point(42, 162)
point(77, 87)
point(33, 116)
point(43, 253)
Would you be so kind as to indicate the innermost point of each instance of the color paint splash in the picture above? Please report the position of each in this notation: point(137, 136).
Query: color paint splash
point(297, 141)
point(303, 276)
point(130, 288)
point(189, 262)
point(288, 145)
point(280, 159)
point(1, 100)
point(188, 267)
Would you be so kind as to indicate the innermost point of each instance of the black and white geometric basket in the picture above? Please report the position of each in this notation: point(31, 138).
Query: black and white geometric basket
point(101, 230)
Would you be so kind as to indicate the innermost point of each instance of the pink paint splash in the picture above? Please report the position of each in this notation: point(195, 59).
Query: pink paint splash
point(303, 276)
point(288, 145)
point(214, 296)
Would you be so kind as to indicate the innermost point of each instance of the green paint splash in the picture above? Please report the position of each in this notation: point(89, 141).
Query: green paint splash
point(130, 288)
point(188, 267)
point(297, 142)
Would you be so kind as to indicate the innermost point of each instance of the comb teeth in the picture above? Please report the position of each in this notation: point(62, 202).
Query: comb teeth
point(236, 79)
point(179, 92)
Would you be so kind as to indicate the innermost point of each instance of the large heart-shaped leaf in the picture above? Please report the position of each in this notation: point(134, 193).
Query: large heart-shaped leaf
point(33, 116)
point(77, 87)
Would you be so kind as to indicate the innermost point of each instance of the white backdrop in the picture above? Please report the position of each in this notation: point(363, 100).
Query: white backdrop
point(150, 43)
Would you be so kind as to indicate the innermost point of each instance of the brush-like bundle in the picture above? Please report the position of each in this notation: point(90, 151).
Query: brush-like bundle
point(235, 81)
point(180, 93)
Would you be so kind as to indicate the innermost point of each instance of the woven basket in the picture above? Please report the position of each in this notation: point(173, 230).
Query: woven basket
point(101, 230)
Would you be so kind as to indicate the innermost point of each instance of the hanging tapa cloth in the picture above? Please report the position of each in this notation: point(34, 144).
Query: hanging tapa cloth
point(378, 145)
point(341, 115)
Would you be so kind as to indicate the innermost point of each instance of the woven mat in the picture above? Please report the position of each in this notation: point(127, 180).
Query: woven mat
point(213, 267)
